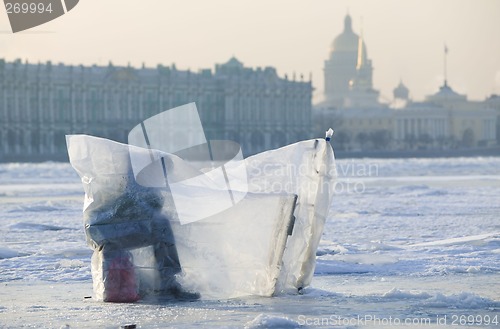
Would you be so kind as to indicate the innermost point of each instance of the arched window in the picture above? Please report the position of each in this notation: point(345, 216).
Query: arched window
point(11, 140)
point(60, 141)
point(233, 136)
point(278, 139)
point(257, 141)
point(468, 138)
point(35, 142)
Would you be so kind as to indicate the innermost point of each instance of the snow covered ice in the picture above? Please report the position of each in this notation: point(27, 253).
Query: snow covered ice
point(405, 240)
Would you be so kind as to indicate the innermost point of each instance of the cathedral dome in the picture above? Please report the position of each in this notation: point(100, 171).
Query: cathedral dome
point(347, 41)
point(348, 70)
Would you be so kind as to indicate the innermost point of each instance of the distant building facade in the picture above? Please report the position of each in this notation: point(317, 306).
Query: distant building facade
point(41, 103)
point(445, 120)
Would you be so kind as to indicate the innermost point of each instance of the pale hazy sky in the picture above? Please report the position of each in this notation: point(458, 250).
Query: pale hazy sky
point(405, 38)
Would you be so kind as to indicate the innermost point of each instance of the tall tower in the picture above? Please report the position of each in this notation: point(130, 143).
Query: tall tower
point(348, 71)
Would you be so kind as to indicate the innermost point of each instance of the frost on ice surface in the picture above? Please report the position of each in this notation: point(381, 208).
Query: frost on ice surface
point(269, 321)
point(37, 227)
point(462, 300)
point(8, 253)
point(401, 294)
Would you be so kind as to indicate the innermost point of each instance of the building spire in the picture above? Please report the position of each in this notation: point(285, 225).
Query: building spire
point(360, 63)
point(445, 65)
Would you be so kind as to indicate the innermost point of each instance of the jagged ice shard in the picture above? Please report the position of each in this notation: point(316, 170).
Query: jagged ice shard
point(172, 211)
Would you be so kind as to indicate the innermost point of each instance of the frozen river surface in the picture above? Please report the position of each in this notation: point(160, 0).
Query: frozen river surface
point(408, 243)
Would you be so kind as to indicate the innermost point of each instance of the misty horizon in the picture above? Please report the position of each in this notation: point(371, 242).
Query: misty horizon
point(404, 40)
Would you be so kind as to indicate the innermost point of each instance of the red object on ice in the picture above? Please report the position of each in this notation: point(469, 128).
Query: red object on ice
point(121, 282)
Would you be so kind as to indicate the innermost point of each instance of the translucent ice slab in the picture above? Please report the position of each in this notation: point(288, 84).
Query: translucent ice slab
point(262, 243)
